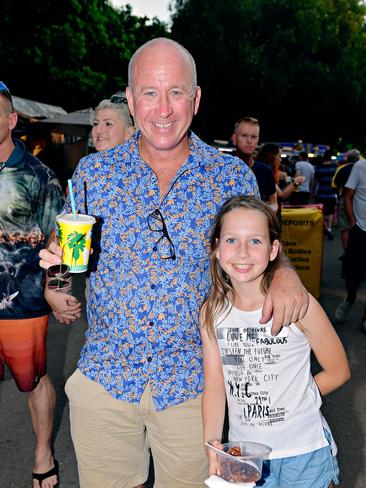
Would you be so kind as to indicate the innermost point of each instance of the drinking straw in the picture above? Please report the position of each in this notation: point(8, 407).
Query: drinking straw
point(85, 198)
point(72, 200)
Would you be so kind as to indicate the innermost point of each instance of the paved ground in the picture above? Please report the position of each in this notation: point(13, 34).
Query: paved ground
point(345, 409)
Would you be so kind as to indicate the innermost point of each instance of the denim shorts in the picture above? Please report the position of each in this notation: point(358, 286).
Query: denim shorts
point(316, 469)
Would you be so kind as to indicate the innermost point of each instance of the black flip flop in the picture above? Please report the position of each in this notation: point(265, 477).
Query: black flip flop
point(40, 477)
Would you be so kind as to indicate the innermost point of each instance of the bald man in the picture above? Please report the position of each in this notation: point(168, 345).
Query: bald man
point(139, 380)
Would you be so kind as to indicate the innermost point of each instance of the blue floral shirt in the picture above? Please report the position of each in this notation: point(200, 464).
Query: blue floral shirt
point(142, 309)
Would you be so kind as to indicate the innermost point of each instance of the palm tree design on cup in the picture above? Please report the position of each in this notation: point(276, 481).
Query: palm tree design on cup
point(76, 242)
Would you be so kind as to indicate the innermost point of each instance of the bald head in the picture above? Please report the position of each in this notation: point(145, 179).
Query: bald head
point(162, 44)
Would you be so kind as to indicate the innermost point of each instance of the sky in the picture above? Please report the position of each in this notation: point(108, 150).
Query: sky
point(148, 8)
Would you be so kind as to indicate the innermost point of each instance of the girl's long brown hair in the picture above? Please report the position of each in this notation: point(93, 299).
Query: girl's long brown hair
point(217, 302)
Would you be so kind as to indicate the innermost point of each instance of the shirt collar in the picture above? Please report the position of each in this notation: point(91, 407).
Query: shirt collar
point(195, 149)
point(18, 157)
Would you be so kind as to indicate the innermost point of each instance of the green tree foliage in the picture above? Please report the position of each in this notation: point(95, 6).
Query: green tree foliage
point(71, 52)
point(299, 65)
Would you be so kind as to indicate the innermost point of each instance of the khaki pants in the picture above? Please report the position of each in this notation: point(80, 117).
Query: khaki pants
point(112, 439)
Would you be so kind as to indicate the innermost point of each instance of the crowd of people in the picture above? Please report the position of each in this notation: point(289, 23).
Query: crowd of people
point(297, 180)
point(337, 185)
point(184, 253)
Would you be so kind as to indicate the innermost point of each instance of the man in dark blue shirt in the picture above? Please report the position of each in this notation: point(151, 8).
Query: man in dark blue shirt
point(245, 139)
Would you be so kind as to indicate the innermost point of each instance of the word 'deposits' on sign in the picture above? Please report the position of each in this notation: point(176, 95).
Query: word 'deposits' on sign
point(302, 238)
point(298, 222)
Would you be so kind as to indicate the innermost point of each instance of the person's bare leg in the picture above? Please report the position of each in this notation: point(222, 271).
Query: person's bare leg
point(41, 404)
point(330, 221)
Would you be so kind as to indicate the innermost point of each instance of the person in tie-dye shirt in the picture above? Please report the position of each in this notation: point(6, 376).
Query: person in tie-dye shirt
point(139, 380)
point(30, 199)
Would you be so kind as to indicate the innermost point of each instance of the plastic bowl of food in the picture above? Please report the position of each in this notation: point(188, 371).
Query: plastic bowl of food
point(241, 461)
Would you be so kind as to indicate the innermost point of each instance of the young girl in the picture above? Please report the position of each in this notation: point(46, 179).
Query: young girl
point(272, 396)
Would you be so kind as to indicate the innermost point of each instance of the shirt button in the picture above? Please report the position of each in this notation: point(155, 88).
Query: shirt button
point(149, 359)
point(151, 324)
point(154, 248)
point(152, 287)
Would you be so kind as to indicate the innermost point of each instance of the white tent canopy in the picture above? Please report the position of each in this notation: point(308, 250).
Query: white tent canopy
point(32, 109)
point(76, 123)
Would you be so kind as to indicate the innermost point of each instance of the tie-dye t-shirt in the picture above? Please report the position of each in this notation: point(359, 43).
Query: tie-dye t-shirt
point(143, 309)
point(30, 199)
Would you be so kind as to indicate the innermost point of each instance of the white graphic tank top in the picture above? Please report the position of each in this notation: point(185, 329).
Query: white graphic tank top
point(272, 396)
